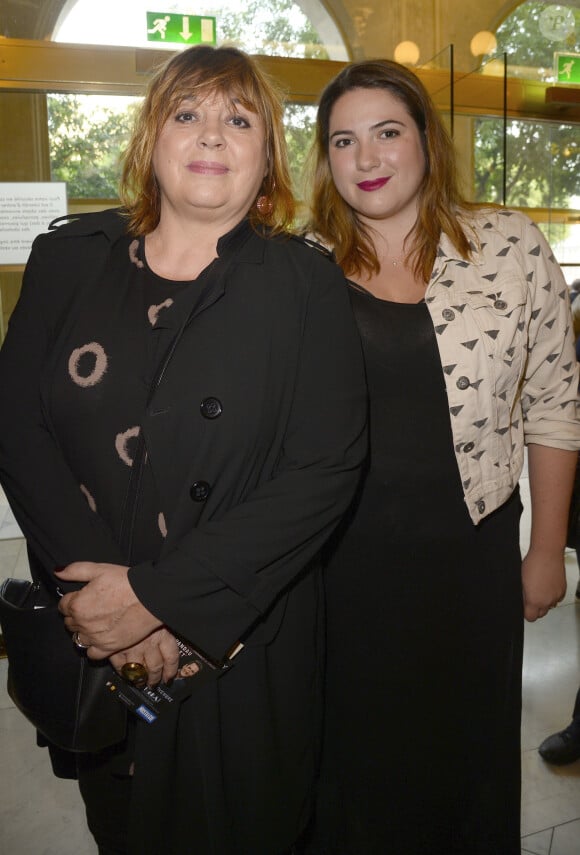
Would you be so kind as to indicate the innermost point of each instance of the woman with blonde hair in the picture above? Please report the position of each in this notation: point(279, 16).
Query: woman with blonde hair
point(182, 426)
point(466, 330)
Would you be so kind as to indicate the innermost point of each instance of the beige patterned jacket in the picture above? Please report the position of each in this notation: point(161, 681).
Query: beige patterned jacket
point(505, 338)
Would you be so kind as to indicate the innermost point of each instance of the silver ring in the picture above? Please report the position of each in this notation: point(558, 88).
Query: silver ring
point(78, 643)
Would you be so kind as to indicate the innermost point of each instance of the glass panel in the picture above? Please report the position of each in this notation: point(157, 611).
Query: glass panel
point(543, 163)
point(299, 120)
point(87, 134)
point(564, 239)
point(543, 175)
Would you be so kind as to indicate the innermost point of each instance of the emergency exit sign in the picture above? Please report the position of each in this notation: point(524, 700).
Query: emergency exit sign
point(180, 29)
point(567, 67)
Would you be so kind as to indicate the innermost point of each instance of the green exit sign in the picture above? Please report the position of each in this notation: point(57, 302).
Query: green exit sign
point(567, 67)
point(180, 29)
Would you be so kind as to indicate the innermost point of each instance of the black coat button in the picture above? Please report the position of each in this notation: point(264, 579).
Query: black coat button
point(448, 314)
point(469, 446)
point(481, 506)
point(500, 305)
point(211, 408)
point(199, 491)
point(463, 383)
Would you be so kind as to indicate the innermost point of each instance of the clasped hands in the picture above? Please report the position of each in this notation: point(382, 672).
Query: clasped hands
point(112, 623)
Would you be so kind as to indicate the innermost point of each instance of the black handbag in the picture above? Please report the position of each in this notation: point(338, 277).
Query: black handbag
point(53, 683)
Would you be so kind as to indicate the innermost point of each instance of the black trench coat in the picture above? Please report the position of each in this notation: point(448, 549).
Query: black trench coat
point(249, 499)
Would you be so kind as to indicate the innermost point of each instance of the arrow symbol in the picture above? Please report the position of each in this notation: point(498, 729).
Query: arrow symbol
point(186, 32)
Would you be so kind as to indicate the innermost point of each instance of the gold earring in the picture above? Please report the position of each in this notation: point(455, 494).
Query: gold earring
point(264, 205)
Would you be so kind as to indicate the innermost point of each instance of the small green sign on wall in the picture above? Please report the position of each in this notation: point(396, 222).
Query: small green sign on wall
point(567, 66)
point(180, 29)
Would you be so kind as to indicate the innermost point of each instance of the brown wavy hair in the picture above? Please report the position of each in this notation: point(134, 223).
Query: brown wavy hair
point(439, 200)
point(196, 73)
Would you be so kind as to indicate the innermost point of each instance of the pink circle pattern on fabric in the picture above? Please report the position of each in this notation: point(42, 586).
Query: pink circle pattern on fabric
point(90, 500)
point(99, 368)
point(121, 444)
point(162, 525)
point(153, 311)
point(133, 248)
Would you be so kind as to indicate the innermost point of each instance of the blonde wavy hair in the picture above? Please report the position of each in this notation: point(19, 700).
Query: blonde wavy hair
point(196, 73)
point(440, 202)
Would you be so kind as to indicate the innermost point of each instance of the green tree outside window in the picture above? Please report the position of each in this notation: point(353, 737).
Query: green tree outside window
point(542, 168)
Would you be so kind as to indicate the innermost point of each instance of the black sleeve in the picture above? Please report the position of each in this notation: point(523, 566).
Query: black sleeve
point(42, 491)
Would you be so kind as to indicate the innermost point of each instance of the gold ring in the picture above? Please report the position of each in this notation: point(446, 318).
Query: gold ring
point(78, 643)
point(135, 673)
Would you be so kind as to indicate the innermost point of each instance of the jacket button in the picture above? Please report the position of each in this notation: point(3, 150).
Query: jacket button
point(211, 408)
point(463, 383)
point(481, 506)
point(469, 446)
point(500, 304)
point(199, 491)
point(448, 314)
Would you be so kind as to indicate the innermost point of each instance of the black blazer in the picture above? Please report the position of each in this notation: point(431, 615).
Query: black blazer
point(250, 495)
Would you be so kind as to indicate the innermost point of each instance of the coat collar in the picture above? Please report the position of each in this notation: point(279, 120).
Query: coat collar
point(242, 244)
point(242, 239)
point(476, 226)
point(111, 223)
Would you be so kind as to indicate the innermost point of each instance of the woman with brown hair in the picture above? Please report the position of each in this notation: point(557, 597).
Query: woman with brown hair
point(469, 352)
point(182, 426)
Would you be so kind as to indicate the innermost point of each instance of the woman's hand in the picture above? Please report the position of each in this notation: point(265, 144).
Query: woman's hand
point(158, 652)
point(543, 581)
point(105, 613)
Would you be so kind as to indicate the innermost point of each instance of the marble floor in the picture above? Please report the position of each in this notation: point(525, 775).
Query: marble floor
point(42, 815)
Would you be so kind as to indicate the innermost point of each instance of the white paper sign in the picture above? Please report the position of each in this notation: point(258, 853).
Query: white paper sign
point(26, 209)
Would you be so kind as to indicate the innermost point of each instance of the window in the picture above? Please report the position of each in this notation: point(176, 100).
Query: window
point(87, 134)
point(534, 32)
point(274, 28)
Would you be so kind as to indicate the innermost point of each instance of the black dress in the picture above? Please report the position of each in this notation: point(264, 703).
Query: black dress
point(425, 629)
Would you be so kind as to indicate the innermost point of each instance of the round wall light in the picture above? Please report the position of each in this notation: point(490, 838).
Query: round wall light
point(482, 43)
point(407, 53)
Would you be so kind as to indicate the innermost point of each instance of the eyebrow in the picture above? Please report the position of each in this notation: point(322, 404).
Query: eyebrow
point(195, 99)
point(374, 127)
